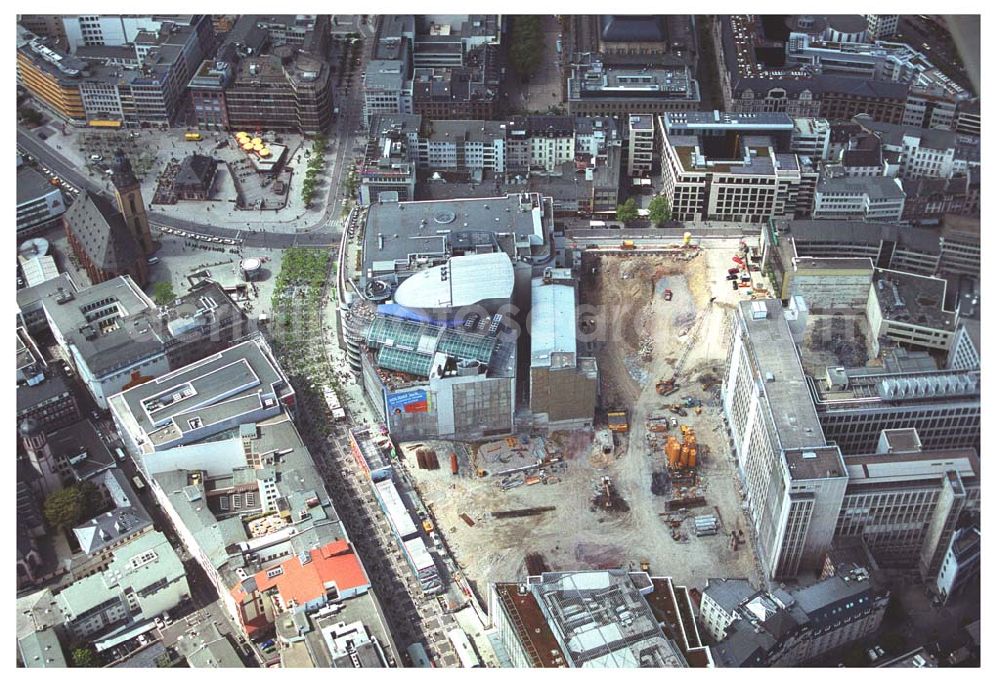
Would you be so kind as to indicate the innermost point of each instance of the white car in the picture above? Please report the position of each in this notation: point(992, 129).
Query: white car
point(96, 157)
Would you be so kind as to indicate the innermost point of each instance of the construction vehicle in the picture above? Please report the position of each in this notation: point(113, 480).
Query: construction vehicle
point(618, 421)
point(628, 244)
point(668, 295)
point(740, 262)
point(666, 386)
point(676, 409)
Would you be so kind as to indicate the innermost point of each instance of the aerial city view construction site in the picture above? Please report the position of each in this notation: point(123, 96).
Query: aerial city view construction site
point(384, 341)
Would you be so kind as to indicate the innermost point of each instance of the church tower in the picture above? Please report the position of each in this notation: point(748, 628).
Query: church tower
point(129, 197)
point(40, 456)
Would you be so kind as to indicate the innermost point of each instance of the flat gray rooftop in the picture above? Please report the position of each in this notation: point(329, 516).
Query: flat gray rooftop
point(815, 463)
point(232, 382)
point(112, 324)
point(707, 120)
point(915, 299)
point(777, 361)
point(878, 187)
point(395, 231)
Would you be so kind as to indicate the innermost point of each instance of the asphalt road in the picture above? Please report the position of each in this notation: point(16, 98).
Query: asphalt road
point(966, 32)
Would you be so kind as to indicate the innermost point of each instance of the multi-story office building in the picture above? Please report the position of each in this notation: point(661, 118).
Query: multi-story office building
point(641, 135)
point(969, 120)
point(924, 251)
point(282, 91)
point(208, 94)
point(391, 155)
point(872, 199)
point(855, 405)
point(790, 627)
point(732, 167)
point(879, 61)
point(964, 353)
point(922, 152)
point(115, 335)
point(597, 88)
point(50, 75)
point(882, 26)
point(44, 26)
point(145, 579)
point(931, 201)
point(461, 92)
point(904, 501)
point(468, 146)
point(578, 620)
point(103, 29)
point(388, 83)
point(421, 375)
point(428, 66)
point(132, 70)
point(38, 202)
point(563, 384)
point(909, 309)
point(754, 82)
point(793, 481)
point(811, 138)
point(961, 563)
point(240, 384)
point(539, 143)
point(42, 392)
point(251, 509)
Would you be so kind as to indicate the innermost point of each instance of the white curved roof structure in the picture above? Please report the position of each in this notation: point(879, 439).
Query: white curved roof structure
point(462, 281)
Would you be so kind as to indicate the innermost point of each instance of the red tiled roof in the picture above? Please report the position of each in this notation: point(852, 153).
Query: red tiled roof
point(333, 563)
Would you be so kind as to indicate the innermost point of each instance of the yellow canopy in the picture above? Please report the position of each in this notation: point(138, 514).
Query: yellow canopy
point(264, 152)
point(247, 147)
point(257, 141)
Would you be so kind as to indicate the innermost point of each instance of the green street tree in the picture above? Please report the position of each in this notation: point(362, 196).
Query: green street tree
point(163, 293)
point(64, 508)
point(659, 210)
point(628, 211)
point(525, 52)
point(84, 657)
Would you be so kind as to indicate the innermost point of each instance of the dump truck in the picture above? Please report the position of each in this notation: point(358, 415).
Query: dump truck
point(628, 244)
point(618, 421)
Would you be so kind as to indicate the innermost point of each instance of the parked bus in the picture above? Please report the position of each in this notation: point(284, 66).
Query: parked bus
point(466, 655)
point(418, 656)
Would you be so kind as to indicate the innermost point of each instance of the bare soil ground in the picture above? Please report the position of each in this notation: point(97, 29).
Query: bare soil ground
point(647, 336)
point(835, 340)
